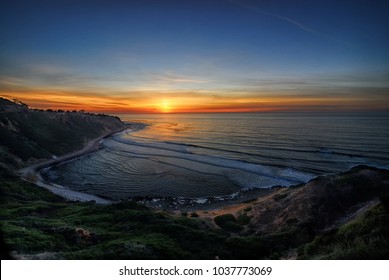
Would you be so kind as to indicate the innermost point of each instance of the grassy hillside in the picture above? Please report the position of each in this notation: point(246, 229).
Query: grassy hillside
point(363, 238)
point(39, 224)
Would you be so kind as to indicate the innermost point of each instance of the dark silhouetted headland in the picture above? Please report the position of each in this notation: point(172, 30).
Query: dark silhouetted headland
point(30, 135)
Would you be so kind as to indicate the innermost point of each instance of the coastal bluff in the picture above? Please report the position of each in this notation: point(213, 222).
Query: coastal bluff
point(29, 136)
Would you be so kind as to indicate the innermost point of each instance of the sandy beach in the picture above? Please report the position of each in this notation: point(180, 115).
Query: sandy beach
point(31, 173)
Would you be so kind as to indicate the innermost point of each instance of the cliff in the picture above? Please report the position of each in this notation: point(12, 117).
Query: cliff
point(28, 135)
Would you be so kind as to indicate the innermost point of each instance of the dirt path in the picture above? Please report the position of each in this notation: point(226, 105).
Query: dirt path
point(230, 209)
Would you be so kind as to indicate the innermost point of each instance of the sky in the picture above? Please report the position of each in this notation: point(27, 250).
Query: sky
point(149, 56)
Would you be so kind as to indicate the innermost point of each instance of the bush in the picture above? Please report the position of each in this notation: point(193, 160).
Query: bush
point(243, 219)
point(228, 223)
point(248, 209)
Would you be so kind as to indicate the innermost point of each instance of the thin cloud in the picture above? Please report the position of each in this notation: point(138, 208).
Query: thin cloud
point(286, 19)
point(296, 23)
point(174, 78)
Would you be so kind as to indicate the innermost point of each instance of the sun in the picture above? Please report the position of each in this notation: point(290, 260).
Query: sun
point(165, 106)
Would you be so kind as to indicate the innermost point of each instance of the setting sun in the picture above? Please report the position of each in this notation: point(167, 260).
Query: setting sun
point(165, 106)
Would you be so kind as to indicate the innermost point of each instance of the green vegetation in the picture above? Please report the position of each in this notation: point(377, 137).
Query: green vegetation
point(364, 238)
point(243, 219)
point(228, 222)
point(35, 221)
point(248, 209)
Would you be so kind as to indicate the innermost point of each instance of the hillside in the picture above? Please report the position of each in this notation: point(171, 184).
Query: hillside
point(335, 216)
point(28, 135)
point(312, 221)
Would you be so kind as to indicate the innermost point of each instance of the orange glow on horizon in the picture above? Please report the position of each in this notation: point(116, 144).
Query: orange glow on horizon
point(185, 102)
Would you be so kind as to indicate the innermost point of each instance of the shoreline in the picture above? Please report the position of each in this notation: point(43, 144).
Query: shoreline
point(32, 173)
point(171, 204)
point(204, 205)
point(182, 204)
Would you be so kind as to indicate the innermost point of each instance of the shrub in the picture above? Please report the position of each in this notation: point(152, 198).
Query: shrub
point(280, 196)
point(228, 223)
point(243, 219)
point(248, 209)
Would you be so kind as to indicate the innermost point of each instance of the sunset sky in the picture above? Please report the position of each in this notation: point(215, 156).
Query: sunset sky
point(196, 56)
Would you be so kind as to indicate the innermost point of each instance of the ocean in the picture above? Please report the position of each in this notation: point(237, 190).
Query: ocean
point(214, 155)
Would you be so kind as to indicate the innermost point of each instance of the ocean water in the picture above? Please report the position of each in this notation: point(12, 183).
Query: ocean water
point(211, 155)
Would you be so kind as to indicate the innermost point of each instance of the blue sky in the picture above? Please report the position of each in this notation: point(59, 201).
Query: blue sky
point(209, 53)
